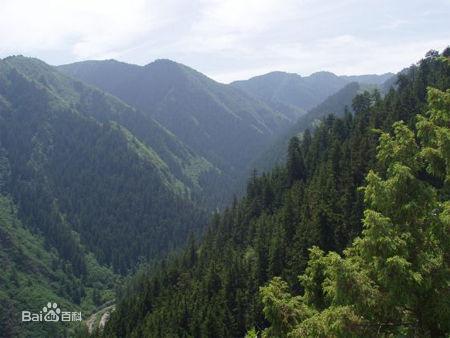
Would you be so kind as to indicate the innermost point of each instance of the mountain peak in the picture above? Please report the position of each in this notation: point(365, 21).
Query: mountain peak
point(21, 59)
point(216, 120)
point(167, 63)
point(322, 75)
point(292, 89)
point(276, 75)
point(106, 62)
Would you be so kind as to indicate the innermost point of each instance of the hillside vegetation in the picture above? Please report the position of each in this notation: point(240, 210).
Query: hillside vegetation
point(311, 218)
point(221, 123)
point(84, 197)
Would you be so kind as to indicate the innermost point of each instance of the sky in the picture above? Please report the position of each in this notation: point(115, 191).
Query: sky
point(230, 39)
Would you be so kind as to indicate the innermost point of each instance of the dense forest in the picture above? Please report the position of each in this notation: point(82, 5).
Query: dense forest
point(104, 201)
point(34, 272)
point(219, 122)
point(83, 196)
point(91, 187)
point(69, 170)
point(336, 104)
point(349, 238)
point(229, 125)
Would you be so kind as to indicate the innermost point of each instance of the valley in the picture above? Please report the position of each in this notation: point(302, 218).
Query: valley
point(189, 207)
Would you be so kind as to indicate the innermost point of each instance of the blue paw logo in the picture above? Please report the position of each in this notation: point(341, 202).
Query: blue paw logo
point(51, 312)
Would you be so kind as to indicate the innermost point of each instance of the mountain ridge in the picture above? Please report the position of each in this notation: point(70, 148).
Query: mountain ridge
point(300, 254)
point(54, 145)
point(302, 92)
point(184, 164)
point(221, 123)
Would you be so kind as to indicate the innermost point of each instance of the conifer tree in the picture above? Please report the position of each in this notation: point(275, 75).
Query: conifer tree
point(394, 279)
point(295, 163)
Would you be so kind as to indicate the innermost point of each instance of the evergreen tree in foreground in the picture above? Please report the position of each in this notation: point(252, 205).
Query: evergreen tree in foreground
point(395, 278)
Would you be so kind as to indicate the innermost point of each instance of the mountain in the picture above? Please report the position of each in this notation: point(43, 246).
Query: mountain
point(186, 166)
point(371, 79)
point(335, 104)
point(83, 193)
point(292, 89)
point(61, 133)
point(301, 93)
point(218, 121)
point(221, 123)
point(307, 252)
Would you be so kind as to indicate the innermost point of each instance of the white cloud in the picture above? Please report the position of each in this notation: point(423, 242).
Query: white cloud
point(85, 28)
point(229, 39)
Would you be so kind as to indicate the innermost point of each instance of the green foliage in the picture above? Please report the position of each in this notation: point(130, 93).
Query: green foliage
point(337, 104)
point(220, 123)
point(83, 196)
point(32, 275)
point(393, 279)
point(212, 288)
point(75, 168)
point(283, 311)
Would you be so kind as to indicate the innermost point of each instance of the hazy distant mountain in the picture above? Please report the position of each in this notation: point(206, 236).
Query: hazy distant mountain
point(334, 104)
point(220, 122)
point(229, 125)
point(311, 97)
point(301, 93)
point(292, 89)
point(369, 78)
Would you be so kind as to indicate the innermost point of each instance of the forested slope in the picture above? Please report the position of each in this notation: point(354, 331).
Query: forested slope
point(71, 171)
point(212, 289)
point(180, 162)
point(220, 122)
point(394, 278)
point(34, 273)
point(336, 104)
